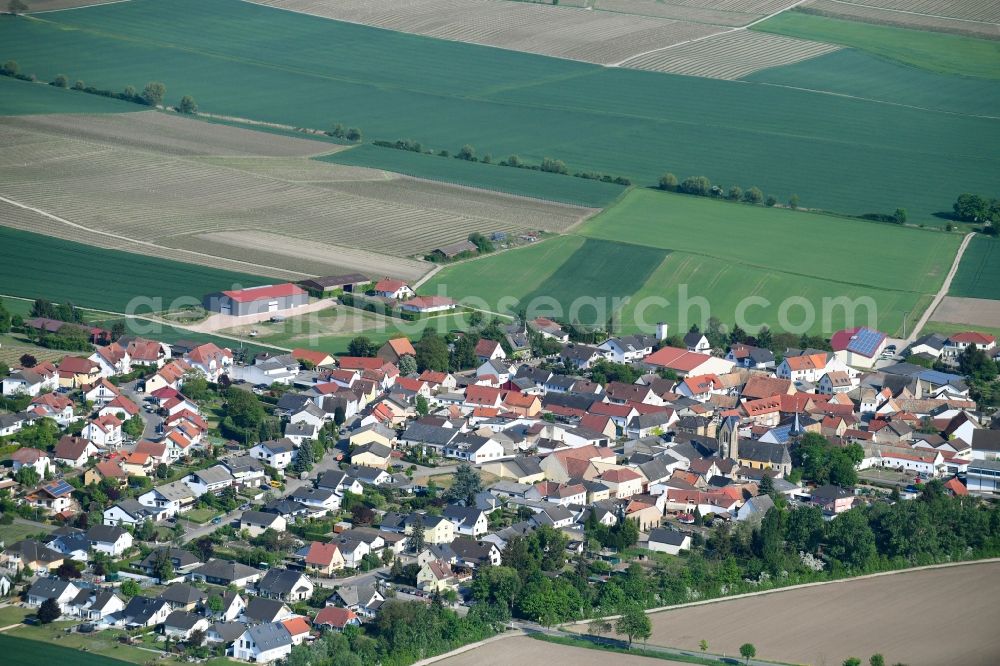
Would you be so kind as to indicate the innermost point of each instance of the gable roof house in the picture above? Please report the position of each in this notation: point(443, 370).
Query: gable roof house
point(285, 585)
point(323, 558)
point(224, 572)
point(395, 349)
point(394, 289)
point(263, 643)
point(337, 619)
point(74, 451)
point(60, 590)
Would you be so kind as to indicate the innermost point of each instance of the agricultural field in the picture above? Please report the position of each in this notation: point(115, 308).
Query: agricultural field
point(20, 97)
point(978, 313)
point(731, 55)
point(869, 13)
point(524, 649)
point(668, 269)
point(233, 208)
point(563, 32)
point(29, 646)
point(978, 274)
point(521, 182)
point(717, 13)
point(618, 121)
point(69, 274)
point(859, 73)
point(947, 328)
point(935, 52)
point(984, 11)
point(858, 618)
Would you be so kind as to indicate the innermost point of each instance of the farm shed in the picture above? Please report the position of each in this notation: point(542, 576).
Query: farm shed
point(256, 300)
point(322, 286)
point(455, 249)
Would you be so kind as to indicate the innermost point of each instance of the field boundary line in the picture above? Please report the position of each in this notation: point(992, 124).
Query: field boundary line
point(907, 11)
point(81, 227)
point(471, 646)
point(943, 291)
point(789, 588)
point(714, 34)
point(66, 9)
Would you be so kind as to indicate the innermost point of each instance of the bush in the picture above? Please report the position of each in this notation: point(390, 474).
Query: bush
point(698, 185)
point(353, 134)
point(79, 85)
point(753, 196)
point(771, 201)
point(550, 165)
point(61, 81)
point(668, 182)
point(187, 105)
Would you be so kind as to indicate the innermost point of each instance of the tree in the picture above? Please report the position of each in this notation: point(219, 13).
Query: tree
point(339, 415)
point(130, 588)
point(28, 361)
point(465, 486)
point(417, 534)
point(699, 185)
point(735, 193)
point(353, 134)
point(793, 201)
point(187, 105)
point(703, 645)
point(197, 637)
point(61, 81)
point(49, 611)
point(361, 346)
point(163, 567)
point(970, 207)
point(668, 182)
point(900, 216)
point(634, 623)
point(851, 541)
point(27, 476)
point(243, 409)
point(771, 201)
point(467, 153)
point(753, 196)
point(162, 471)
point(748, 651)
point(422, 406)
point(852, 661)
point(877, 660)
point(432, 352)
point(407, 365)
point(79, 85)
point(129, 93)
point(11, 68)
point(134, 426)
point(599, 626)
point(153, 93)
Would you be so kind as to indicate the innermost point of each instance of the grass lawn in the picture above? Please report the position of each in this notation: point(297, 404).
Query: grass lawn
point(835, 152)
point(978, 274)
point(201, 515)
point(935, 51)
point(13, 615)
point(11, 534)
point(30, 646)
point(948, 328)
point(523, 182)
point(123, 279)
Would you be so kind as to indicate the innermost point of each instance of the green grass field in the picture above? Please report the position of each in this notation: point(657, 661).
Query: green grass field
point(21, 97)
point(30, 646)
point(948, 328)
point(863, 74)
point(673, 253)
point(523, 182)
point(933, 51)
point(978, 275)
point(11, 534)
point(36, 266)
point(836, 153)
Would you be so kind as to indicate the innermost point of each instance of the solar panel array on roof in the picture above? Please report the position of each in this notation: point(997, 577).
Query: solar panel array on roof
point(865, 342)
point(59, 487)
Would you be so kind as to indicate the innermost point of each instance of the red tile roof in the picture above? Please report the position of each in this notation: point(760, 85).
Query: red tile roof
point(321, 554)
point(389, 285)
point(973, 337)
point(335, 616)
point(296, 626)
point(402, 347)
point(267, 291)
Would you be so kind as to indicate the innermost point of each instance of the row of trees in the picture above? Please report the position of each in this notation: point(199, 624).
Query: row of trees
point(702, 187)
point(338, 131)
point(978, 209)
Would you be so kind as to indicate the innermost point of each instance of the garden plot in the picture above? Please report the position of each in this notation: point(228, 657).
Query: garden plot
point(731, 55)
point(564, 32)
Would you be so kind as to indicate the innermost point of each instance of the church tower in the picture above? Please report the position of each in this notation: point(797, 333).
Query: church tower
point(729, 438)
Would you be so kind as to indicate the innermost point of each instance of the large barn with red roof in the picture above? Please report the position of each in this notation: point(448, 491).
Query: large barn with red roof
point(257, 300)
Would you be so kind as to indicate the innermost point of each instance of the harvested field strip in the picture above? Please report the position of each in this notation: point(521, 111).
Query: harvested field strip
point(11, 352)
point(169, 134)
point(25, 220)
point(731, 55)
point(978, 274)
point(21, 97)
point(297, 170)
point(935, 52)
point(598, 37)
point(120, 191)
point(860, 617)
point(71, 274)
point(677, 12)
point(854, 12)
point(619, 121)
point(523, 182)
point(856, 72)
point(315, 258)
point(27, 652)
point(975, 312)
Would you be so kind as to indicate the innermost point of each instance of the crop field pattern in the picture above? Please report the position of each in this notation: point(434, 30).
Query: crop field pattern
point(231, 56)
point(214, 205)
point(564, 32)
point(907, 19)
point(671, 246)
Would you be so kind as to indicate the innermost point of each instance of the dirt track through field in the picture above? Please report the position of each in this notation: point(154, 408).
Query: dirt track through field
point(929, 617)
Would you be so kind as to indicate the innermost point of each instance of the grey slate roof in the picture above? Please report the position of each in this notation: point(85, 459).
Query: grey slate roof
point(279, 581)
point(48, 588)
point(669, 537)
point(183, 620)
point(269, 636)
point(260, 609)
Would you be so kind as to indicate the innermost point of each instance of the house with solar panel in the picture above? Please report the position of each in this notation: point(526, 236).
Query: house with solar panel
point(859, 347)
